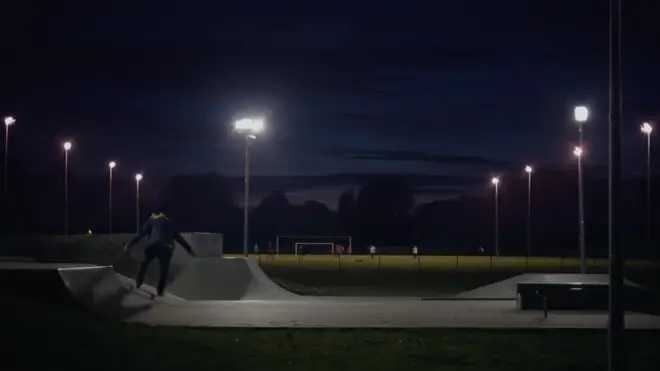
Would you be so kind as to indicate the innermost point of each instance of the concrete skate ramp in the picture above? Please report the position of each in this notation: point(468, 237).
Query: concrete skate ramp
point(224, 279)
point(202, 279)
point(97, 288)
point(506, 289)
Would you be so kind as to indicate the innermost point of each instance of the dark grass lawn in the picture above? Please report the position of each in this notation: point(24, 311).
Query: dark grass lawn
point(380, 282)
point(53, 338)
point(402, 282)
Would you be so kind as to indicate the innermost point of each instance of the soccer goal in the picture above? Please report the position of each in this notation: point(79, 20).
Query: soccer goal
point(304, 248)
point(311, 244)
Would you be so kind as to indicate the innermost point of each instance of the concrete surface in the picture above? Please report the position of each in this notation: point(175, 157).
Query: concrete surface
point(225, 279)
point(104, 291)
point(507, 289)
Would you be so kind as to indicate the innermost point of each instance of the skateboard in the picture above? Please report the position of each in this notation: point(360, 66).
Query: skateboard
point(141, 291)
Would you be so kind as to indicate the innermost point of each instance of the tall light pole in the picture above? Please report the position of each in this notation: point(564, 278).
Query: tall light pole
point(249, 128)
point(616, 311)
point(496, 182)
point(9, 121)
point(577, 151)
point(138, 179)
point(529, 170)
point(111, 167)
point(581, 115)
point(67, 148)
point(646, 128)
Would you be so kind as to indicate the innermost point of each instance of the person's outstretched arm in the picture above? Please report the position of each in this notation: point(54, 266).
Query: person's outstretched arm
point(182, 241)
point(146, 229)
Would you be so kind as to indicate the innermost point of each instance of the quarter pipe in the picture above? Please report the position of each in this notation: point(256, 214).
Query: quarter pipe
point(193, 279)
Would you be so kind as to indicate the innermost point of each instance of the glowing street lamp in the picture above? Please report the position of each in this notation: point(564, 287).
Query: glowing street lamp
point(647, 129)
point(249, 127)
point(581, 115)
point(577, 151)
point(111, 166)
point(67, 148)
point(138, 179)
point(529, 170)
point(496, 182)
point(9, 121)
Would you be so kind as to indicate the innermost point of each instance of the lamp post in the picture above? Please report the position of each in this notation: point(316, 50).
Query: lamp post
point(67, 148)
point(646, 128)
point(616, 323)
point(496, 182)
point(111, 166)
point(9, 121)
point(577, 151)
point(529, 170)
point(249, 128)
point(581, 115)
point(138, 179)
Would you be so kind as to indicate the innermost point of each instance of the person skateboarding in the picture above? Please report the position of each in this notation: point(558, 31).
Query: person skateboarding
point(161, 234)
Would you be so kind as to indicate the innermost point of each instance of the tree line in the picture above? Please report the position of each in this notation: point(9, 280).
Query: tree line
point(382, 212)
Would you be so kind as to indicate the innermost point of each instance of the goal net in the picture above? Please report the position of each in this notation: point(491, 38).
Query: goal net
point(303, 248)
point(311, 244)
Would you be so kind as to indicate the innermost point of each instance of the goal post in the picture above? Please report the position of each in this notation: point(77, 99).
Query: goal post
point(311, 244)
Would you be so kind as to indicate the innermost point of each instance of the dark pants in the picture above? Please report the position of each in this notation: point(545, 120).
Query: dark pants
point(164, 254)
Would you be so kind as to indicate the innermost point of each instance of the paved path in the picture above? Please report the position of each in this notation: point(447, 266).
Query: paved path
point(106, 292)
point(347, 313)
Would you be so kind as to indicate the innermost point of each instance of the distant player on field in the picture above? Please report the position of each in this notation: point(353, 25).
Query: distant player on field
point(271, 253)
point(372, 251)
point(415, 252)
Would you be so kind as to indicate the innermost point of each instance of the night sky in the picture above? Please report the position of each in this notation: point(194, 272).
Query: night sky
point(452, 89)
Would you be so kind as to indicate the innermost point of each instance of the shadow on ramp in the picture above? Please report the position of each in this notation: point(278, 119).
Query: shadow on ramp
point(224, 279)
point(97, 288)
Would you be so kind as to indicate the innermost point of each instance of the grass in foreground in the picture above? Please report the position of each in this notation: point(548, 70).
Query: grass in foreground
point(57, 339)
point(380, 282)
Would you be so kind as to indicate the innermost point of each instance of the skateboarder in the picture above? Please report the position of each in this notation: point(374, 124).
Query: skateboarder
point(161, 234)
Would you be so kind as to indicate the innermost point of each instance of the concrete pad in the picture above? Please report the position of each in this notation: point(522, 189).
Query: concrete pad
point(105, 292)
point(507, 289)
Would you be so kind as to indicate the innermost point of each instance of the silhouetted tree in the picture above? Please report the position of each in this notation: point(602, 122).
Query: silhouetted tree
point(345, 211)
point(383, 213)
point(314, 218)
point(273, 217)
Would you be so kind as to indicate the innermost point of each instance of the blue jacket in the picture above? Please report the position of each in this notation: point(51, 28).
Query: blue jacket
point(162, 231)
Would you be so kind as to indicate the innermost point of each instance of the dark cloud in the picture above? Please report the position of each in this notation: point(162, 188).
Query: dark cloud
point(438, 191)
point(418, 156)
point(192, 66)
point(296, 183)
point(398, 125)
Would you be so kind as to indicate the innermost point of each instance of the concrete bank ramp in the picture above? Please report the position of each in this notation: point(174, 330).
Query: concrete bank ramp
point(193, 279)
point(224, 279)
point(97, 288)
point(507, 289)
